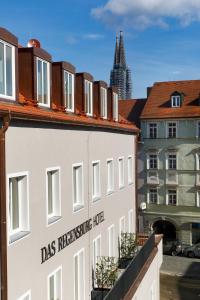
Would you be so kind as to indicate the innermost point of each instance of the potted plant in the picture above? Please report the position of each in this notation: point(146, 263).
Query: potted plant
point(127, 249)
point(104, 276)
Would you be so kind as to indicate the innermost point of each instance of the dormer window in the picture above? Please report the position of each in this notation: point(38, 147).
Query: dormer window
point(115, 106)
point(7, 71)
point(88, 98)
point(175, 101)
point(103, 103)
point(69, 91)
point(43, 83)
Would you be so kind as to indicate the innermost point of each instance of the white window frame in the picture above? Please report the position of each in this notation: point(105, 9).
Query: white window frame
point(96, 243)
point(27, 294)
point(122, 226)
point(13, 97)
point(54, 273)
point(156, 129)
point(111, 241)
point(88, 85)
point(198, 161)
point(96, 181)
point(77, 206)
point(110, 189)
point(67, 73)
point(167, 161)
point(198, 198)
point(130, 169)
point(104, 110)
point(149, 159)
point(149, 195)
point(172, 189)
point(81, 281)
point(167, 129)
point(130, 221)
point(56, 203)
point(48, 81)
point(115, 107)
point(121, 179)
point(176, 101)
point(24, 229)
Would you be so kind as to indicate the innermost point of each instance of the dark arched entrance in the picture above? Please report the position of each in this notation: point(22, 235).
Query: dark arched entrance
point(166, 228)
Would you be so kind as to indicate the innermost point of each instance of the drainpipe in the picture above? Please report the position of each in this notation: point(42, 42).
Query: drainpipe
point(136, 183)
point(3, 229)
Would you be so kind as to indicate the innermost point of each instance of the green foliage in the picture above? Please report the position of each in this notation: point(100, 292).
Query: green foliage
point(127, 245)
point(106, 272)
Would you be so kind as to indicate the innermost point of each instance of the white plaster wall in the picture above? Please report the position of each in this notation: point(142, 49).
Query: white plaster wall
point(149, 288)
point(35, 149)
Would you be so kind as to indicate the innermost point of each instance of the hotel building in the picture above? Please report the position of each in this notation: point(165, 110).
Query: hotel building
point(67, 176)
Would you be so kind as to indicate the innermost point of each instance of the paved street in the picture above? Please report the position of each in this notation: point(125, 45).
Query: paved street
point(180, 278)
point(179, 288)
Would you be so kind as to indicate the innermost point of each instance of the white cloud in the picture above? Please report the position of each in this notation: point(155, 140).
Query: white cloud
point(93, 36)
point(146, 13)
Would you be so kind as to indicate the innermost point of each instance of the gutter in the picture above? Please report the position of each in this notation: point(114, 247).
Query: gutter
point(3, 225)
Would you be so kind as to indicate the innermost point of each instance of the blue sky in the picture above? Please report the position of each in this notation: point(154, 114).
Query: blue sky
point(161, 38)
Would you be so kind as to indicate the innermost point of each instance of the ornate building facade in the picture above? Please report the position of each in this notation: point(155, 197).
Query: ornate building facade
point(120, 75)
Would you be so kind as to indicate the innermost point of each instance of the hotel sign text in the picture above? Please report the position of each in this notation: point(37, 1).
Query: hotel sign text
point(66, 239)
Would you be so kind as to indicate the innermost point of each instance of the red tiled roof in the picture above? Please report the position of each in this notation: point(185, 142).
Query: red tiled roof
point(132, 109)
point(27, 110)
point(159, 105)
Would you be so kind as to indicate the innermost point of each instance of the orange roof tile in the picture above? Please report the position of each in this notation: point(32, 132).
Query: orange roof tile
point(159, 105)
point(132, 109)
point(27, 110)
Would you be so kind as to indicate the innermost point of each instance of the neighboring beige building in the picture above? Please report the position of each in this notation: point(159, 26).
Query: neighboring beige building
point(67, 177)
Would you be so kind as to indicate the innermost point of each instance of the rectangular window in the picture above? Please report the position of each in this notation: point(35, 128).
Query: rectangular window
point(110, 176)
point(43, 82)
point(53, 194)
point(79, 275)
point(172, 197)
point(26, 296)
point(115, 107)
point(176, 101)
point(171, 129)
point(7, 71)
point(122, 226)
point(152, 161)
point(55, 285)
point(171, 160)
point(121, 172)
point(69, 91)
point(130, 169)
point(18, 206)
point(130, 221)
point(111, 241)
point(78, 202)
point(95, 180)
point(153, 196)
point(96, 250)
point(198, 129)
point(153, 130)
point(88, 98)
point(103, 103)
point(198, 161)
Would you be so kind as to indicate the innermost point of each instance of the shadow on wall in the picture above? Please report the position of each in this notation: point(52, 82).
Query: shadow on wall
point(188, 286)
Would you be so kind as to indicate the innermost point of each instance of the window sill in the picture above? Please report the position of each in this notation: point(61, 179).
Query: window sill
point(130, 183)
point(96, 198)
point(17, 236)
point(110, 192)
point(53, 219)
point(121, 187)
point(78, 207)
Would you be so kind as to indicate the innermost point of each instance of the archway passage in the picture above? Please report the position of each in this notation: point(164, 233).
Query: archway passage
point(166, 228)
